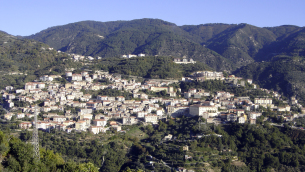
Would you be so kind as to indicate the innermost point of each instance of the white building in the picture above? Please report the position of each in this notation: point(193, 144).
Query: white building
point(128, 56)
point(199, 110)
point(97, 129)
point(141, 114)
point(131, 55)
point(129, 120)
point(99, 97)
point(46, 78)
point(152, 118)
point(20, 115)
point(68, 74)
point(209, 74)
point(241, 120)
point(263, 101)
point(9, 88)
point(99, 122)
point(80, 126)
point(77, 77)
point(59, 119)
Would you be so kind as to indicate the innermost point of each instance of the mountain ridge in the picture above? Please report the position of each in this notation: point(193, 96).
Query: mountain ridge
point(149, 36)
point(240, 44)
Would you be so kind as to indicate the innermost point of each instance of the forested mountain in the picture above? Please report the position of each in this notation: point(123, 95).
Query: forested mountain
point(244, 43)
point(241, 43)
point(238, 44)
point(112, 39)
point(282, 74)
point(202, 33)
point(290, 40)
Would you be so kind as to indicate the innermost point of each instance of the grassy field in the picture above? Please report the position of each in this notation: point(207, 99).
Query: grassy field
point(135, 131)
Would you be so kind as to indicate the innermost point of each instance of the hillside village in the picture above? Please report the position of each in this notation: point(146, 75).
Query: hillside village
point(188, 104)
point(66, 107)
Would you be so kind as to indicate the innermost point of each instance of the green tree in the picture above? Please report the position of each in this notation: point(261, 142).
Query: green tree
point(87, 167)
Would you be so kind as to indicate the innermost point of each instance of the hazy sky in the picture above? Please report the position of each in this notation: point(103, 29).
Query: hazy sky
point(26, 17)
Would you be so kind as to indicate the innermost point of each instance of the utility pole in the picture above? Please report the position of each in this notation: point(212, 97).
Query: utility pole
point(35, 137)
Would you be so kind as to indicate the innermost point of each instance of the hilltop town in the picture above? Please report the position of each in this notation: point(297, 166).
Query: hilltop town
point(76, 104)
point(148, 95)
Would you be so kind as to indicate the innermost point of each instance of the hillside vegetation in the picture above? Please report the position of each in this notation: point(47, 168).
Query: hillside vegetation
point(17, 155)
point(283, 74)
point(149, 67)
point(22, 60)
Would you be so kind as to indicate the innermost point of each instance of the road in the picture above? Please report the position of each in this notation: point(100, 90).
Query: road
point(282, 125)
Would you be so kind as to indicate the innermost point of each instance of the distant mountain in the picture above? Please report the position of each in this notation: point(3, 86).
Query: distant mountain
point(281, 32)
point(202, 33)
point(290, 40)
point(241, 43)
point(135, 32)
point(221, 46)
point(112, 39)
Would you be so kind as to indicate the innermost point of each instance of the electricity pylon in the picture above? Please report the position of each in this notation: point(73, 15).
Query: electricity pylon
point(35, 136)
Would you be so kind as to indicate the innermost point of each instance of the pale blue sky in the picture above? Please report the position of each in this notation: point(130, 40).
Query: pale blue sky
point(26, 17)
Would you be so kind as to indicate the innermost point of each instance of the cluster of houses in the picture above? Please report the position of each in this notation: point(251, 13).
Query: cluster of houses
point(225, 107)
point(57, 97)
point(202, 76)
point(128, 56)
point(184, 60)
point(207, 75)
point(100, 113)
point(77, 57)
